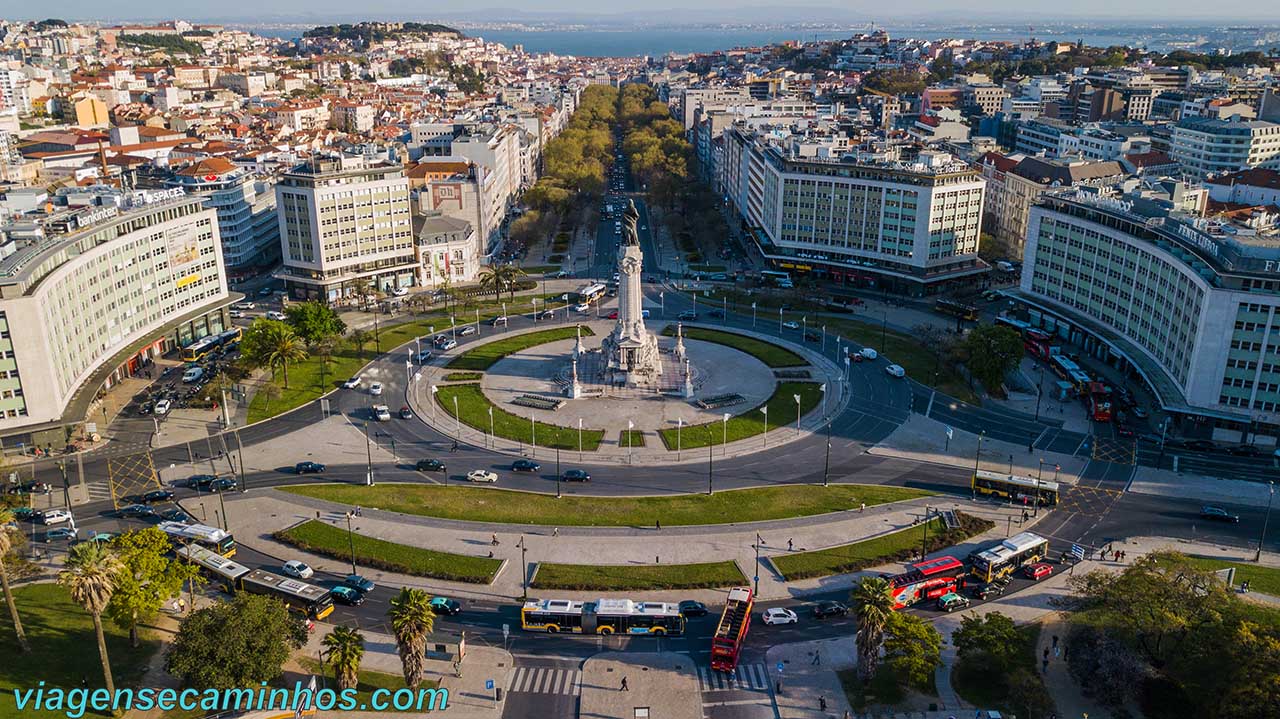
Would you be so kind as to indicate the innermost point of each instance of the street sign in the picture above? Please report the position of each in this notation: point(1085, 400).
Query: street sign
point(506, 630)
point(950, 433)
point(488, 684)
point(1078, 551)
point(756, 578)
point(780, 665)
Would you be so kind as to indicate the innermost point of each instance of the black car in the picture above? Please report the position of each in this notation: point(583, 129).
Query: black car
point(175, 515)
point(688, 315)
point(308, 468)
point(525, 465)
point(822, 610)
point(812, 337)
point(1244, 450)
point(1218, 514)
point(222, 484)
point(690, 608)
point(157, 495)
point(201, 481)
point(137, 510)
point(430, 465)
point(990, 589)
point(717, 314)
point(576, 475)
point(1200, 445)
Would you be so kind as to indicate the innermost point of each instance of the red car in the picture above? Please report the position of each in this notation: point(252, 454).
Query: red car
point(613, 315)
point(1037, 571)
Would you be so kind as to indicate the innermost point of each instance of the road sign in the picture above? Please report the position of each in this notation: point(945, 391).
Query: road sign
point(488, 684)
point(780, 665)
point(1078, 550)
point(756, 578)
point(951, 433)
point(506, 630)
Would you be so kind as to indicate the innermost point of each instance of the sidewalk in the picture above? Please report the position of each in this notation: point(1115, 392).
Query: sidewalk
point(255, 516)
point(804, 683)
point(665, 684)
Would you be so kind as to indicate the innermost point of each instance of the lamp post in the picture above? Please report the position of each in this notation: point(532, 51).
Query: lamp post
point(1271, 493)
point(765, 411)
point(753, 315)
point(434, 390)
point(756, 585)
point(351, 542)
point(557, 473)
point(579, 439)
point(524, 570)
point(368, 452)
point(724, 436)
point(457, 417)
point(679, 427)
point(535, 310)
point(826, 463)
point(493, 441)
point(662, 304)
point(779, 320)
point(630, 426)
point(796, 397)
point(710, 481)
point(533, 435)
point(976, 455)
point(824, 339)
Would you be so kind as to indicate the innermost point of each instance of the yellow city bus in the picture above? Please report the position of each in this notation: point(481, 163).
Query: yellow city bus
point(603, 616)
point(1027, 491)
point(1004, 558)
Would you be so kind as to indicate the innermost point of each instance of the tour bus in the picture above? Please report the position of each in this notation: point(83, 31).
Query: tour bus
point(1005, 558)
point(217, 567)
point(776, 277)
point(200, 535)
point(956, 309)
point(1021, 490)
point(306, 599)
point(925, 581)
point(602, 616)
point(591, 292)
point(731, 630)
point(201, 348)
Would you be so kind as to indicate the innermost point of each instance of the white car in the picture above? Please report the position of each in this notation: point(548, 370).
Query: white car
point(778, 615)
point(791, 325)
point(584, 307)
point(276, 315)
point(55, 516)
point(400, 292)
point(868, 353)
point(243, 306)
point(467, 330)
point(382, 413)
point(447, 345)
point(894, 370)
point(294, 568)
point(375, 389)
point(163, 407)
point(352, 383)
point(236, 314)
point(480, 475)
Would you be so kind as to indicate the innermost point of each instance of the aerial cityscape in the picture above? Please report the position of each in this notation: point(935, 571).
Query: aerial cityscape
point(641, 363)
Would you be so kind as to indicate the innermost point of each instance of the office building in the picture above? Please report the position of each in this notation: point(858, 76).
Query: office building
point(1206, 146)
point(246, 212)
point(1015, 183)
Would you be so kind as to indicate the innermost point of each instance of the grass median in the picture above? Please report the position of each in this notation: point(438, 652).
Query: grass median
point(1260, 578)
point(898, 546)
point(767, 352)
point(63, 650)
point(330, 541)
point(507, 507)
point(463, 377)
point(636, 577)
point(483, 357)
point(473, 409)
point(781, 418)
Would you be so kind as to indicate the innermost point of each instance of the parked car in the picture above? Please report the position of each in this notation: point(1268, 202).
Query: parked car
point(375, 389)
point(235, 314)
point(346, 595)
point(162, 407)
point(779, 615)
point(243, 306)
point(31, 488)
point(791, 325)
point(987, 590)
point(430, 465)
point(1037, 571)
point(687, 316)
point(157, 495)
point(382, 413)
point(691, 608)
point(54, 516)
point(136, 510)
point(894, 370)
point(1244, 450)
point(400, 292)
point(276, 315)
point(358, 583)
point(308, 468)
point(467, 330)
point(525, 465)
point(868, 353)
point(1218, 514)
point(352, 383)
point(297, 569)
point(822, 610)
point(100, 536)
point(480, 475)
point(951, 601)
point(405, 412)
point(173, 514)
point(60, 534)
point(445, 607)
point(576, 475)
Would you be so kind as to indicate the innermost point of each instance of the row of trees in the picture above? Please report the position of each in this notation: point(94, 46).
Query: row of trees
point(576, 162)
point(990, 352)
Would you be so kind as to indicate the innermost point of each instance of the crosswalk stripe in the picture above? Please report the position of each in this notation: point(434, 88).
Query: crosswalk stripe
point(523, 681)
point(747, 677)
point(546, 680)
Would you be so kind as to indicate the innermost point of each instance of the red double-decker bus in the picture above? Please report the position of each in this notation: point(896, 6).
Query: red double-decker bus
point(731, 632)
point(1099, 402)
point(926, 580)
point(1038, 344)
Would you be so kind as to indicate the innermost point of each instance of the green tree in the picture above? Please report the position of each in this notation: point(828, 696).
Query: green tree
point(313, 321)
point(360, 338)
point(346, 648)
point(990, 641)
point(412, 620)
point(148, 578)
point(273, 344)
point(1254, 688)
point(1028, 695)
point(499, 278)
point(241, 643)
point(912, 648)
point(993, 351)
point(873, 607)
point(894, 82)
point(324, 349)
point(89, 575)
point(8, 529)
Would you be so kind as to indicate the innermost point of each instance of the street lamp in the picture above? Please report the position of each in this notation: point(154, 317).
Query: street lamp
point(796, 397)
point(662, 303)
point(779, 320)
point(753, 315)
point(351, 542)
point(765, 411)
point(756, 590)
point(679, 427)
point(976, 455)
point(457, 417)
point(368, 452)
point(524, 570)
point(1271, 493)
point(826, 463)
point(533, 430)
point(579, 439)
point(724, 438)
point(493, 441)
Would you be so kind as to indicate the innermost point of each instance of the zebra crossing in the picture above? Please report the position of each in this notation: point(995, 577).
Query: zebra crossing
point(546, 680)
point(98, 491)
point(747, 677)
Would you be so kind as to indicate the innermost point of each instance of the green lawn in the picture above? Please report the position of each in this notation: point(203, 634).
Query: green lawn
point(473, 407)
point(463, 376)
point(594, 577)
point(307, 382)
point(903, 350)
point(1260, 578)
point(767, 352)
point(898, 546)
point(330, 541)
point(631, 438)
point(367, 682)
point(63, 649)
point(507, 507)
point(483, 357)
point(782, 418)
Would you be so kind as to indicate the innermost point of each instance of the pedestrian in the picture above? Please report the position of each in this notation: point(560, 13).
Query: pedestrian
point(846, 714)
point(555, 532)
point(1124, 556)
point(1055, 650)
point(625, 688)
point(862, 507)
point(1055, 641)
point(1044, 666)
point(494, 541)
point(822, 702)
point(817, 656)
point(790, 545)
point(1046, 654)
point(657, 524)
point(182, 605)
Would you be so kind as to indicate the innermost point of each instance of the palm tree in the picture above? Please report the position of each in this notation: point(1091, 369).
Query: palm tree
point(281, 347)
point(500, 277)
point(89, 575)
point(6, 544)
point(325, 347)
point(412, 620)
point(873, 606)
point(346, 649)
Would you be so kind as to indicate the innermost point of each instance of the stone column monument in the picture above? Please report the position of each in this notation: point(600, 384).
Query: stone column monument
point(631, 349)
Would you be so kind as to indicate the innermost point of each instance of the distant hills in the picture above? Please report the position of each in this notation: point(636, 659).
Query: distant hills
point(375, 31)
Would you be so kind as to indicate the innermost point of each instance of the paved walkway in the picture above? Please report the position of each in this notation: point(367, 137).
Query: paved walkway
point(256, 515)
point(665, 684)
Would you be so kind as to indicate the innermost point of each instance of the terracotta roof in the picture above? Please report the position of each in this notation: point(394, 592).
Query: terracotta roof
point(1002, 163)
point(1148, 159)
point(1256, 177)
point(208, 166)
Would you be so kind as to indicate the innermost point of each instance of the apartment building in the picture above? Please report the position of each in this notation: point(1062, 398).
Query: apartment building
point(354, 117)
point(909, 227)
point(93, 284)
point(1188, 304)
point(1207, 146)
point(344, 220)
point(246, 210)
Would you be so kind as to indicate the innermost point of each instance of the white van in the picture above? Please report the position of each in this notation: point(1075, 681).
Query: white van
point(192, 375)
point(868, 353)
